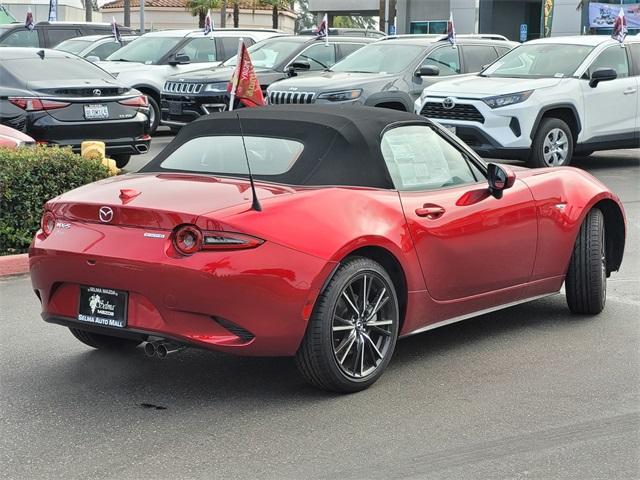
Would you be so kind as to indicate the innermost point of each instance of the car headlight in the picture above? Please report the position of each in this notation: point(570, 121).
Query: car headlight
point(216, 87)
point(342, 96)
point(504, 100)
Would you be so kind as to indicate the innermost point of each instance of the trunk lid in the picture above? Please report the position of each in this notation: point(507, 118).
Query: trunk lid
point(157, 200)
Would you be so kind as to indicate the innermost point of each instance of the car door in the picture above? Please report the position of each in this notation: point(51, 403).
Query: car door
point(446, 58)
point(467, 241)
point(610, 107)
point(634, 50)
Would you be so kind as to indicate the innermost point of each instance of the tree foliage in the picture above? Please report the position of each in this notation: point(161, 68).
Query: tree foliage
point(199, 8)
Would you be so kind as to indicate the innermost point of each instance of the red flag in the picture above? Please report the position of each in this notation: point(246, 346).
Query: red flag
point(244, 84)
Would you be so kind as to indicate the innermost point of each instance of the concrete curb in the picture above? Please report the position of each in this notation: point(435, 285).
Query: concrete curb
point(14, 264)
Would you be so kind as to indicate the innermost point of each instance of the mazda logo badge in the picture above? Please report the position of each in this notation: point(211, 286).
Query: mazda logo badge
point(97, 92)
point(105, 214)
point(448, 103)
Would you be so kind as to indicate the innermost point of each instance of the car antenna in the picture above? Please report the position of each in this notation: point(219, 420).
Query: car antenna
point(255, 204)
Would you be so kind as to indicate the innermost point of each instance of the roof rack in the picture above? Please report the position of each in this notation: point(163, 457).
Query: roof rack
point(438, 37)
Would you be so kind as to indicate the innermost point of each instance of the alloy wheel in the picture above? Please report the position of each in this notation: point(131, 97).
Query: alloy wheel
point(555, 148)
point(364, 319)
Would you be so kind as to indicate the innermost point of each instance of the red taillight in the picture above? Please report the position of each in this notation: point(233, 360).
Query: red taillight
point(188, 239)
point(139, 101)
point(48, 223)
point(33, 104)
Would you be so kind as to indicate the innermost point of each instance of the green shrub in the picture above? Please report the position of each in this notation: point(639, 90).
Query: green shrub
point(28, 178)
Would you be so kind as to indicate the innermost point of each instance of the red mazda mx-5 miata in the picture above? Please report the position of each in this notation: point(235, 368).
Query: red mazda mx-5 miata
point(360, 226)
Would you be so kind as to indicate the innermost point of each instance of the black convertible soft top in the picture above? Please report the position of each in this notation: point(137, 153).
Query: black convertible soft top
point(341, 143)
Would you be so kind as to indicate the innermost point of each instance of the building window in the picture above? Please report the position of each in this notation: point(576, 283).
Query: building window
point(433, 26)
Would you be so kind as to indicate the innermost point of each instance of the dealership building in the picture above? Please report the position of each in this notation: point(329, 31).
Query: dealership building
point(516, 19)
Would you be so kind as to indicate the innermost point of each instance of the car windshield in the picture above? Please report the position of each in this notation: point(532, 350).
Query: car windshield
point(73, 45)
point(380, 58)
point(268, 54)
point(541, 60)
point(147, 49)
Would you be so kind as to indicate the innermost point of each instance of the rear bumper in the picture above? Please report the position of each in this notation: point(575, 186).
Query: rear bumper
point(248, 302)
point(120, 136)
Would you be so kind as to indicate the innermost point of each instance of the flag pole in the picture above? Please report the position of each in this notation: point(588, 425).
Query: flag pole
point(236, 75)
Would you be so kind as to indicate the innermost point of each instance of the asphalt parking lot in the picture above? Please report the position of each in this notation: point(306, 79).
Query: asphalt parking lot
point(527, 392)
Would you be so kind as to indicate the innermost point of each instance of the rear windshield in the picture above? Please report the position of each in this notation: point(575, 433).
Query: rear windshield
point(34, 69)
point(224, 155)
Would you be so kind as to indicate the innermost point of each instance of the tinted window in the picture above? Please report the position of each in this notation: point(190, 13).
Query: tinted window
point(200, 50)
point(418, 158)
point(146, 49)
point(225, 155)
point(22, 38)
point(104, 50)
point(613, 57)
point(478, 56)
point(53, 69)
point(348, 49)
point(380, 57)
point(447, 59)
point(634, 48)
point(229, 45)
point(57, 35)
point(321, 56)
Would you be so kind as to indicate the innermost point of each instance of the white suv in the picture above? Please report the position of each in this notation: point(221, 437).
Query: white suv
point(545, 100)
point(146, 63)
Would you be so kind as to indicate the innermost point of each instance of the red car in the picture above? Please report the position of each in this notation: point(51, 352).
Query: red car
point(364, 225)
point(12, 138)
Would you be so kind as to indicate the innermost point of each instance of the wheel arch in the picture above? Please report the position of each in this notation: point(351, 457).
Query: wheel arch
point(394, 100)
point(392, 266)
point(149, 90)
point(563, 111)
point(614, 228)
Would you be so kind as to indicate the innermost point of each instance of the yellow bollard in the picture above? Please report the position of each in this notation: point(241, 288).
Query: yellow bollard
point(93, 149)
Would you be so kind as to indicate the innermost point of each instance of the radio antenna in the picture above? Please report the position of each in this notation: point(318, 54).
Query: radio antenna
point(255, 204)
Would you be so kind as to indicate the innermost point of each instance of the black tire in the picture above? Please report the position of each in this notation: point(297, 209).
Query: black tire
point(586, 282)
point(104, 342)
point(539, 148)
point(154, 115)
point(317, 357)
point(121, 159)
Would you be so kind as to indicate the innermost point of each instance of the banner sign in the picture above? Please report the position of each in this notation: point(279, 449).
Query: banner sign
point(547, 17)
point(53, 10)
point(603, 15)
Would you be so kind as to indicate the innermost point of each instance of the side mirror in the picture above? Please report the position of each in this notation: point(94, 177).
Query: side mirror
point(428, 71)
point(180, 59)
point(602, 75)
point(500, 178)
point(92, 58)
point(298, 65)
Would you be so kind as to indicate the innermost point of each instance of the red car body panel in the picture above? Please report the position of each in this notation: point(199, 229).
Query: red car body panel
point(12, 138)
point(481, 253)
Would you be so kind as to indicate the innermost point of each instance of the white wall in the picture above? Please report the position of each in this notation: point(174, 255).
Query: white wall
point(343, 5)
point(566, 19)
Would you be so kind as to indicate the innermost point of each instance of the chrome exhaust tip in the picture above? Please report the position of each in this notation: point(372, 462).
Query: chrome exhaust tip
point(150, 349)
point(165, 349)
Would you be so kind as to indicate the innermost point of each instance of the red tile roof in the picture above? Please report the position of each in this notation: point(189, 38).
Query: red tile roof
point(243, 4)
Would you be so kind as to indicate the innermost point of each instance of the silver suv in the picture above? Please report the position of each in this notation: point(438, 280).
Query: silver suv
point(392, 72)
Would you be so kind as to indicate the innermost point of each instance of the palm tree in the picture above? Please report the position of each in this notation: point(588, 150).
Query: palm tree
point(127, 13)
point(88, 10)
point(236, 14)
point(276, 4)
point(199, 8)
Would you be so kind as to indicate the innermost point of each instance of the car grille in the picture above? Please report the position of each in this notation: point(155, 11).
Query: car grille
point(460, 111)
point(290, 97)
point(182, 87)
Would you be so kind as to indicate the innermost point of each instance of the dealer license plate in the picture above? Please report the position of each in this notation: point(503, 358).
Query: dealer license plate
point(103, 306)
point(96, 112)
point(175, 108)
point(451, 128)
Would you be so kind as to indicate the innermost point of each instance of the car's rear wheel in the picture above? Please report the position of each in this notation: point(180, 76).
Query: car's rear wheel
point(154, 115)
point(552, 144)
point(586, 282)
point(121, 159)
point(353, 329)
point(104, 342)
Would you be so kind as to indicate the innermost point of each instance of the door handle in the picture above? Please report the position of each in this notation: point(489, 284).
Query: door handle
point(629, 91)
point(430, 211)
